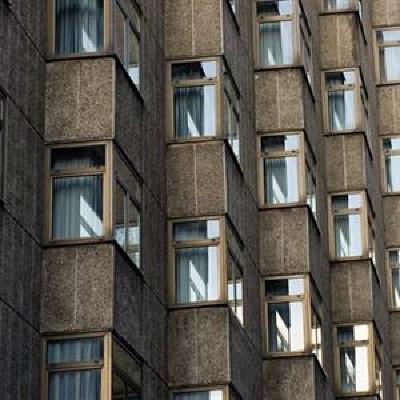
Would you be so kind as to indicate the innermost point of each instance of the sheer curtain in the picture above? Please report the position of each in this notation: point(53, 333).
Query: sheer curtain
point(196, 274)
point(195, 111)
point(276, 43)
point(390, 65)
point(75, 385)
point(341, 110)
point(77, 207)
point(79, 26)
point(281, 180)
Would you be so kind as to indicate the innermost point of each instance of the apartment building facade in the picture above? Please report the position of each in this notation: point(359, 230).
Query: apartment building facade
point(199, 199)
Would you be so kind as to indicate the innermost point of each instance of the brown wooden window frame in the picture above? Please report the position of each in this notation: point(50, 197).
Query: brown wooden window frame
point(105, 171)
point(373, 345)
point(377, 47)
point(310, 300)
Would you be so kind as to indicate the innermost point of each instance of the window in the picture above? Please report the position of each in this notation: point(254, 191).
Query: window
point(75, 368)
point(194, 86)
point(353, 350)
point(316, 334)
point(231, 117)
point(126, 375)
point(311, 186)
point(378, 375)
point(280, 165)
point(284, 315)
point(234, 5)
point(127, 39)
point(196, 256)
point(342, 88)
point(337, 5)
point(394, 276)
point(397, 381)
point(200, 395)
point(77, 186)
point(391, 153)
point(388, 48)
point(365, 112)
point(79, 26)
point(347, 224)
point(235, 287)
point(275, 32)
point(127, 225)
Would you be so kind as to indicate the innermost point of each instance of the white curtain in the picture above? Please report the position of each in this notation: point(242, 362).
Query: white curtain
point(341, 110)
point(276, 43)
point(79, 26)
point(337, 4)
point(196, 274)
point(348, 235)
point(281, 181)
point(77, 207)
point(194, 111)
point(75, 385)
point(390, 63)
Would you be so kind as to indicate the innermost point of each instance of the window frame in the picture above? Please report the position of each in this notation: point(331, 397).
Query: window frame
point(377, 47)
point(355, 88)
point(105, 171)
point(373, 346)
point(51, 32)
point(218, 243)
point(294, 18)
point(363, 211)
point(396, 385)
point(129, 196)
point(384, 153)
point(235, 302)
point(306, 44)
point(170, 104)
point(225, 391)
point(128, 24)
point(389, 269)
point(305, 298)
point(105, 366)
point(301, 167)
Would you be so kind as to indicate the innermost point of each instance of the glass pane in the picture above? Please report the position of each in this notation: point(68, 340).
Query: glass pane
point(316, 339)
point(195, 111)
point(133, 56)
point(120, 33)
point(390, 67)
point(274, 7)
point(133, 233)
point(351, 333)
point(79, 26)
point(270, 144)
point(77, 207)
point(331, 5)
point(347, 201)
point(391, 143)
point(388, 36)
point(196, 230)
point(126, 368)
point(341, 108)
point(285, 327)
point(77, 158)
point(398, 377)
point(361, 332)
point(396, 287)
point(281, 180)
point(354, 369)
point(394, 257)
point(88, 350)
point(340, 78)
point(195, 70)
point(75, 385)
point(348, 235)
point(211, 395)
point(197, 274)
point(284, 287)
point(392, 170)
point(276, 43)
point(120, 231)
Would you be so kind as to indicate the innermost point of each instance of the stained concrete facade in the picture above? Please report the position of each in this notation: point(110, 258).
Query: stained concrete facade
point(51, 289)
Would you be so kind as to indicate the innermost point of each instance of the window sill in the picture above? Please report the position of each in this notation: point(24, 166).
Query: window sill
point(193, 140)
point(265, 207)
point(77, 56)
point(200, 304)
point(390, 194)
point(343, 11)
point(76, 242)
point(388, 83)
point(357, 395)
point(261, 68)
point(343, 260)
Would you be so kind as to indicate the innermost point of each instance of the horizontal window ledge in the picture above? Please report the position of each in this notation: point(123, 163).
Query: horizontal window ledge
point(338, 12)
point(294, 354)
point(389, 83)
point(266, 68)
point(202, 304)
point(78, 56)
point(358, 395)
point(194, 140)
point(391, 194)
point(344, 260)
point(283, 206)
point(77, 242)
